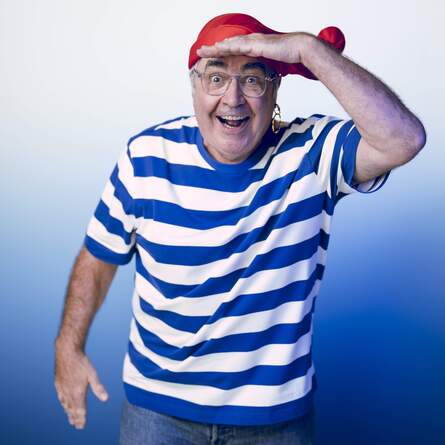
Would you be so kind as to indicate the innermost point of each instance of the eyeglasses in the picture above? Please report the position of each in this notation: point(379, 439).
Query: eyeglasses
point(217, 83)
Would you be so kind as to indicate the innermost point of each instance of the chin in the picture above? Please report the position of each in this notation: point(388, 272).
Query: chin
point(238, 148)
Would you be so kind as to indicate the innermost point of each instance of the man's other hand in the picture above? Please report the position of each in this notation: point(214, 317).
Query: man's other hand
point(73, 373)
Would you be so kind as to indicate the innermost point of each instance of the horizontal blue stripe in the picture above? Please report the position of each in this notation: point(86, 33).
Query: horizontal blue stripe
point(156, 128)
point(295, 140)
point(184, 134)
point(198, 255)
point(171, 213)
point(103, 253)
point(194, 176)
point(121, 193)
point(241, 305)
point(274, 259)
point(112, 224)
point(227, 414)
point(283, 333)
point(257, 375)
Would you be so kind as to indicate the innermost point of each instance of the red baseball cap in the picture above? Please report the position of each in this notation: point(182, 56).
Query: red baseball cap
point(230, 25)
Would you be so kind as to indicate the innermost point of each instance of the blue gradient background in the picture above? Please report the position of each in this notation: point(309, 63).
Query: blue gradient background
point(78, 78)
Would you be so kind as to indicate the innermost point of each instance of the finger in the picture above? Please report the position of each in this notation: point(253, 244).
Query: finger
point(242, 45)
point(208, 51)
point(78, 418)
point(96, 386)
point(239, 45)
point(235, 45)
point(61, 397)
point(222, 49)
point(76, 413)
point(63, 401)
point(75, 406)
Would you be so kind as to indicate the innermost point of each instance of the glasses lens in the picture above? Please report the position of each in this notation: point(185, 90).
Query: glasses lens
point(253, 85)
point(216, 83)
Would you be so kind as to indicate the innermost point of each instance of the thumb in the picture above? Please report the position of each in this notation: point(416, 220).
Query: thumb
point(96, 386)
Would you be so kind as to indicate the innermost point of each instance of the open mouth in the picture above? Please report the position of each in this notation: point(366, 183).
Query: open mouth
point(233, 121)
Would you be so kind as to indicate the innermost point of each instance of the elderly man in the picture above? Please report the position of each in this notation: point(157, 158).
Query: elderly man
point(228, 215)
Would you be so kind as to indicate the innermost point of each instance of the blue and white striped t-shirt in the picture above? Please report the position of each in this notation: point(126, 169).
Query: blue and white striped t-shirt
point(229, 260)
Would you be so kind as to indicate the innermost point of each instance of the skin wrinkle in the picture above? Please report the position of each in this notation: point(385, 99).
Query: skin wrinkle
point(222, 146)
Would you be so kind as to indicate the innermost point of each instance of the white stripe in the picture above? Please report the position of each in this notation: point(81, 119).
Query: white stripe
point(197, 198)
point(245, 395)
point(179, 123)
point(324, 169)
point(201, 306)
point(99, 233)
point(116, 209)
point(272, 354)
point(294, 128)
point(170, 234)
point(196, 274)
point(342, 185)
point(290, 312)
point(173, 152)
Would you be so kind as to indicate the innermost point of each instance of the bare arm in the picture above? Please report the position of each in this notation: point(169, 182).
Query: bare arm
point(391, 134)
point(88, 285)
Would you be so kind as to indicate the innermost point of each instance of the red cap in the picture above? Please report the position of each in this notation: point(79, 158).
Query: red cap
point(230, 25)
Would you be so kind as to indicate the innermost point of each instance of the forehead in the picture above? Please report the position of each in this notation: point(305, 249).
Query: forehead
point(238, 63)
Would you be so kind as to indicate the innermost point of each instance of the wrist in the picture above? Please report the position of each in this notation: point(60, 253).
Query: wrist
point(308, 46)
point(65, 343)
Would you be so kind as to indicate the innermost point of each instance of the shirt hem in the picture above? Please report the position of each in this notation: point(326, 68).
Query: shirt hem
point(223, 415)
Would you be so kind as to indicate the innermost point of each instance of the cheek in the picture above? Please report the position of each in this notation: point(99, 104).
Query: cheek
point(204, 105)
point(263, 117)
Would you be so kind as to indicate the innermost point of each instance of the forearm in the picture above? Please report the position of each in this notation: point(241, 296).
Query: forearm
point(381, 118)
point(88, 285)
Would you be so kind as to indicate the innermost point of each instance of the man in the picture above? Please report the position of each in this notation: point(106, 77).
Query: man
point(228, 213)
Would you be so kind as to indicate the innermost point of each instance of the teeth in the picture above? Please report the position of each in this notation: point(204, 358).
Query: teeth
point(233, 118)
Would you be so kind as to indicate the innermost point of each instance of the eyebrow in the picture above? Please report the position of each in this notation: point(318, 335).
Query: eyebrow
point(215, 62)
point(220, 63)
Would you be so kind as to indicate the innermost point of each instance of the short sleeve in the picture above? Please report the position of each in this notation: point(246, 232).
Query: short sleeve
point(111, 233)
point(338, 141)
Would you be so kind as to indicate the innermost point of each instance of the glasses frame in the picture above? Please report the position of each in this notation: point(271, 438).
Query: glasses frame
point(237, 77)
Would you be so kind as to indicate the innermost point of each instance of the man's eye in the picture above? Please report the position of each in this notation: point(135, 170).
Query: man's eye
point(215, 78)
point(252, 80)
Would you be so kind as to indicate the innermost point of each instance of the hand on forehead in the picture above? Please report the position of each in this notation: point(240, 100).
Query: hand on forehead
point(246, 45)
point(242, 34)
point(234, 63)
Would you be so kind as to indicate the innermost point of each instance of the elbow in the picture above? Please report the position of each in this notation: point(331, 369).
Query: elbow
point(413, 141)
point(418, 137)
point(421, 138)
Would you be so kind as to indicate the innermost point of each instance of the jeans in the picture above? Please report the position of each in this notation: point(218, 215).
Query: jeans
point(140, 426)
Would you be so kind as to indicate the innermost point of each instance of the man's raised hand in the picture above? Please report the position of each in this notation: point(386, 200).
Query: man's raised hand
point(282, 47)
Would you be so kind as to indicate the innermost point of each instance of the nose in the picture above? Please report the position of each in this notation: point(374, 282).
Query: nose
point(233, 97)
